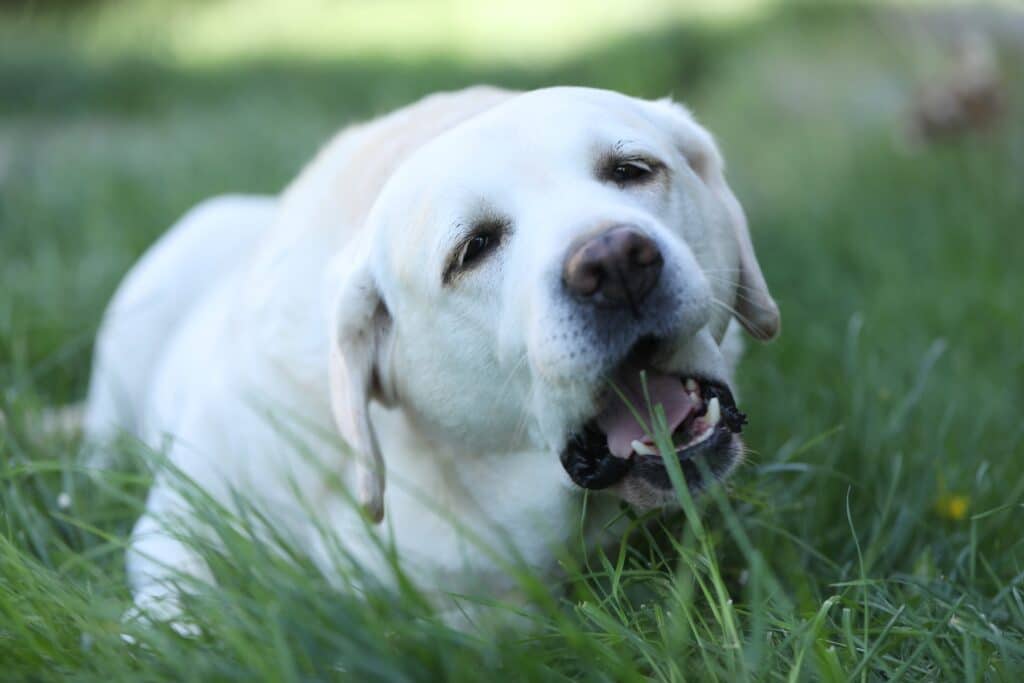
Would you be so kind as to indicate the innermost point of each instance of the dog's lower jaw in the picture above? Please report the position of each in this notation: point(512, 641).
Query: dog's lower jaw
point(643, 481)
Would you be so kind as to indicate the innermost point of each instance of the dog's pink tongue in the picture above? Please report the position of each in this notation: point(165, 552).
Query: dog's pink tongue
point(617, 420)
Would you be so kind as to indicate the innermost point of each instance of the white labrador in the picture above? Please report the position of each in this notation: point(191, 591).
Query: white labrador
point(450, 288)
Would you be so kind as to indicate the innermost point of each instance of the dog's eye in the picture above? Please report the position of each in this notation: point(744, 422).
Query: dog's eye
point(476, 247)
point(625, 172)
point(473, 250)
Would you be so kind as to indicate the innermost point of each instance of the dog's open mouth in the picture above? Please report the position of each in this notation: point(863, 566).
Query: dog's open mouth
point(700, 414)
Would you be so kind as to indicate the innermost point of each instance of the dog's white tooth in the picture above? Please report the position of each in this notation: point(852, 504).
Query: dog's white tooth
point(699, 439)
point(640, 448)
point(691, 385)
point(714, 413)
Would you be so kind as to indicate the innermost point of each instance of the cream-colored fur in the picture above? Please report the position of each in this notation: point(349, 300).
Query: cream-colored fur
point(266, 340)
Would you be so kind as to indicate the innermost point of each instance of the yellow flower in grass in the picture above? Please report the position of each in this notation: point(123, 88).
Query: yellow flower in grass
point(952, 506)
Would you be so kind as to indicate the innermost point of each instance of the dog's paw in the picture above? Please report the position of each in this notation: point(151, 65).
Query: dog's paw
point(150, 612)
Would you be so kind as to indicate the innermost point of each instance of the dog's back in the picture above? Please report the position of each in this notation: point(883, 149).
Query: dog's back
point(207, 244)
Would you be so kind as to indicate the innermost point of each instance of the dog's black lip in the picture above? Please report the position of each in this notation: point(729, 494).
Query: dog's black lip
point(731, 415)
point(652, 469)
point(591, 465)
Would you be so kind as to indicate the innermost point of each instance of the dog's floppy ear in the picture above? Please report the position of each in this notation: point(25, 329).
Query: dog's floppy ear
point(360, 336)
point(755, 308)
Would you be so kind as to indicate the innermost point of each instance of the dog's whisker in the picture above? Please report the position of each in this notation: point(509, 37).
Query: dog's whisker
point(524, 418)
point(510, 376)
point(731, 283)
point(743, 297)
point(739, 316)
point(502, 392)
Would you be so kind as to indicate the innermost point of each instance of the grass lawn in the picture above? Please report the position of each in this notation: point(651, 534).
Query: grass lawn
point(876, 531)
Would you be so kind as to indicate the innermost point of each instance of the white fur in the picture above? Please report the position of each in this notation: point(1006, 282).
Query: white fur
point(257, 322)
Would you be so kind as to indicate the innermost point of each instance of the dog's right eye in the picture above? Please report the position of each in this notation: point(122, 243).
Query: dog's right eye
point(473, 250)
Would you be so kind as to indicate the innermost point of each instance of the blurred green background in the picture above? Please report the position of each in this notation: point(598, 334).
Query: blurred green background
point(879, 152)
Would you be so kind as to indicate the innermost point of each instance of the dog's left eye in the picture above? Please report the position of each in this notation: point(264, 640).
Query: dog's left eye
point(632, 171)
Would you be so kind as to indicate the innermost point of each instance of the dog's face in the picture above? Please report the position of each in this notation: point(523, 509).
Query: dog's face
point(538, 276)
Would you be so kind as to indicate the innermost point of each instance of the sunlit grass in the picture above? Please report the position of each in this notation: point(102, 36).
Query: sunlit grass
point(197, 33)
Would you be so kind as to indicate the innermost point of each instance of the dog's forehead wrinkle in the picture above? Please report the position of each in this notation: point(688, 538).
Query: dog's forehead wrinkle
point(584, 122)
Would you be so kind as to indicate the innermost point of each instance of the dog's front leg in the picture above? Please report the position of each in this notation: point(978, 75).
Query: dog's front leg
point(160, 567)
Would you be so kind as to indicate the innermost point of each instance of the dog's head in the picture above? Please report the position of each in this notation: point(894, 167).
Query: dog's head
point(540, 275)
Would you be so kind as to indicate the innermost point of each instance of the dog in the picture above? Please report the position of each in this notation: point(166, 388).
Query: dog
point(481, 295)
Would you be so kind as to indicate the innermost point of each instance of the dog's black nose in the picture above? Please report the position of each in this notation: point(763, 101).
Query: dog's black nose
point(615, 268)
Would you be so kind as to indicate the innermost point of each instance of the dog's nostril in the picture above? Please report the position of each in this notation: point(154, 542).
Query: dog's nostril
point(616, 268)
point(588, 280)
point(644, 253)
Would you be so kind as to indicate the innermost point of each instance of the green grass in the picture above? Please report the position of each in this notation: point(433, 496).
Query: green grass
point(835, 554)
